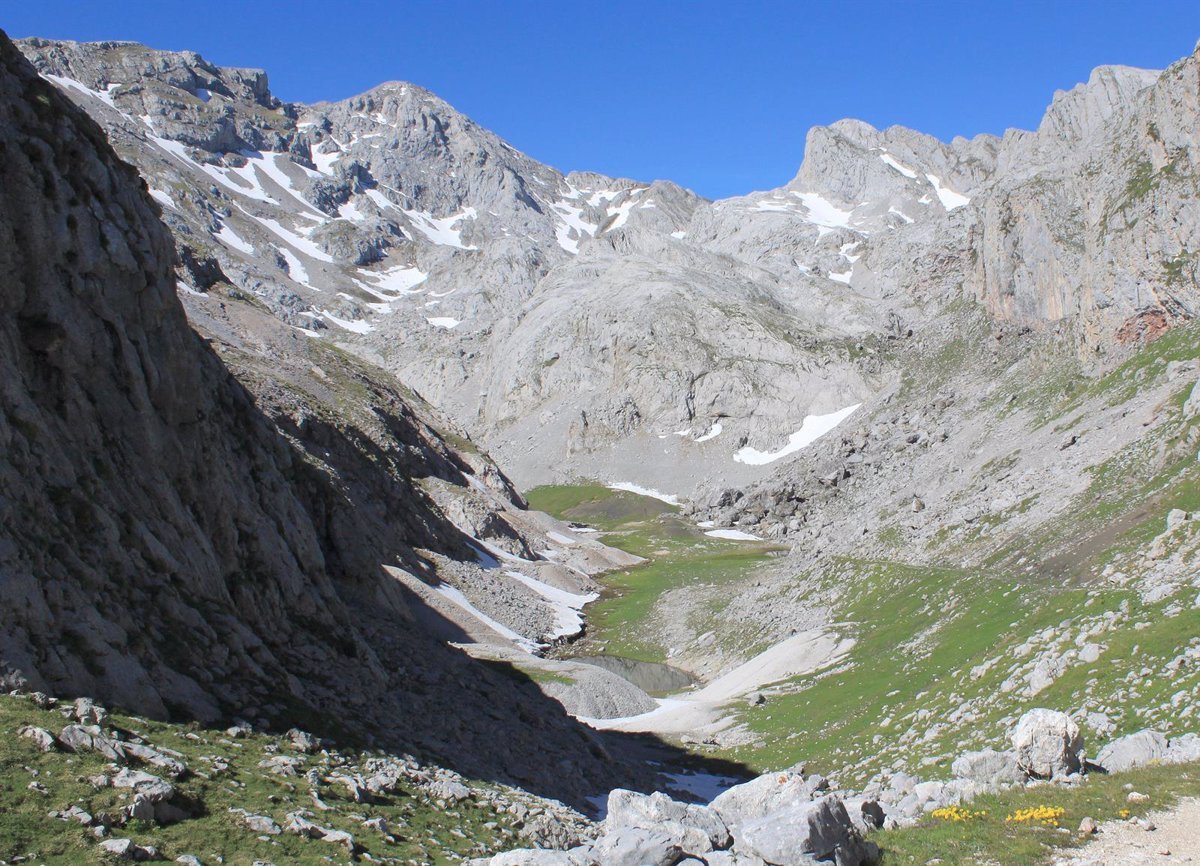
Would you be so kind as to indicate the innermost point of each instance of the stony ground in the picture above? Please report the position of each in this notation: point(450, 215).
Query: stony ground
point(1174, 839)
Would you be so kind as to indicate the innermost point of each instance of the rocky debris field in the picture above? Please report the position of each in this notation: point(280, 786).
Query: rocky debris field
point(790, 817)
point(81, 785)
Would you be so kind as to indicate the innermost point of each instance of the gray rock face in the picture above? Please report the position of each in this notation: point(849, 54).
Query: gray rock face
point(818, 831)
point(599, 316)
point(1134, 750)
point(987, 767)
point(634, 846)
point(689, 823)
point(1047, 744)
point(762, 796)
point(253, 523)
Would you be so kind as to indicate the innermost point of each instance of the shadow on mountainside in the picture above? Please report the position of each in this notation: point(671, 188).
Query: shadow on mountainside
point(185, 540)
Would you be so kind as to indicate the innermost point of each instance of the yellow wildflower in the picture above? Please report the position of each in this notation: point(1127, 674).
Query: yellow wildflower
point(1046, 815)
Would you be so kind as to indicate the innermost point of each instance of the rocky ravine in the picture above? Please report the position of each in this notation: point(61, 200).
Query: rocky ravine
point(234, 524)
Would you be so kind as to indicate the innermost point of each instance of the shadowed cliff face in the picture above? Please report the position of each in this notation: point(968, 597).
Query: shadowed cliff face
point(183, 542)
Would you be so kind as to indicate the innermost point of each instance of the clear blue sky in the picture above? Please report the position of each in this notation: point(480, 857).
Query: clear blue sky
point(716, 96)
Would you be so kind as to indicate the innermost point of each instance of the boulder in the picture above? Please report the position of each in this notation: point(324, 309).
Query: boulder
point(865, 814)
point(89, 738)
point(302, 741)
point(1047, 744)
point(1183, 750)
point(258, 823)
point(987, 767)
point(153, 788)
point(1191, 408)
point(760, 797)
point(1135, 750)
point(635, 846)
point(172, 764)
point(42, 738)
point(659, 812)
point(819, 830)
point(127, 849)
point(88, 712)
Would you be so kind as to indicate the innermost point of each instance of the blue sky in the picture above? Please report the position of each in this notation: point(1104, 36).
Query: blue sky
point(716, 96)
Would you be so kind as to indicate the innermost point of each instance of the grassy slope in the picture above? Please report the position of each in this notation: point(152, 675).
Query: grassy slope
point(424, 833)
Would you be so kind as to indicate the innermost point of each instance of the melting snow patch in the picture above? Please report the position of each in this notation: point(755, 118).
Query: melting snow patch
point(559, 537)
point(230, 238)
point(732, 535)
point(843, 277)
point(294, 240)
point(823, 213)
point(441, 230)
point(813, 428)
point(904, 170)
point(948, 197)
point(400, 281)
point(354, 326)
point(900, 213)
point(567, 605)
point(629, 487)
point(163, 198)
point(706, 787)
point(220, 175)
point(713, 432)
point(295, 267)
point(104, 96)
point(443, 322)
point(454, 595)
point(679, 235)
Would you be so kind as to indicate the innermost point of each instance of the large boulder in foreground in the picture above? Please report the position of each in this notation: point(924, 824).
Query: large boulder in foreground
point(1047, 744)
point(762, 796)
point(807, 833)
point(695, 829)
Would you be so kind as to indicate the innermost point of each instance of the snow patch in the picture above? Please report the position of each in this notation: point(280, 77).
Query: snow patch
point(948, 197)
point(292, 239)
point(843, 277)
point(566, 605)
point(440, 230)
point(455, 596)
point(354, 326)
point(903, 169)
point(713, 432)
point(295, 267)
point(163, 198)
point(812, 429)
point(443, 322)
point(732, 535)
point(230, 238)
point(400, 281)
point(822, 213)
point(630, 487)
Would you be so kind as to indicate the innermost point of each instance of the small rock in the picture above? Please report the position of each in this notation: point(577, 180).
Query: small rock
point(302, 741)
point(88, 712)
point(1088, 826)
point(42, 738)
point(1137, 797)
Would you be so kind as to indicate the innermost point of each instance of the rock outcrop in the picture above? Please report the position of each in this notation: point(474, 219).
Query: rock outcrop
point(197, 537)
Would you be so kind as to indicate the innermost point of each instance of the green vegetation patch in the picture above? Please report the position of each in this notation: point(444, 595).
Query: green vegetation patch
point(224, 774)
point(992, 837)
